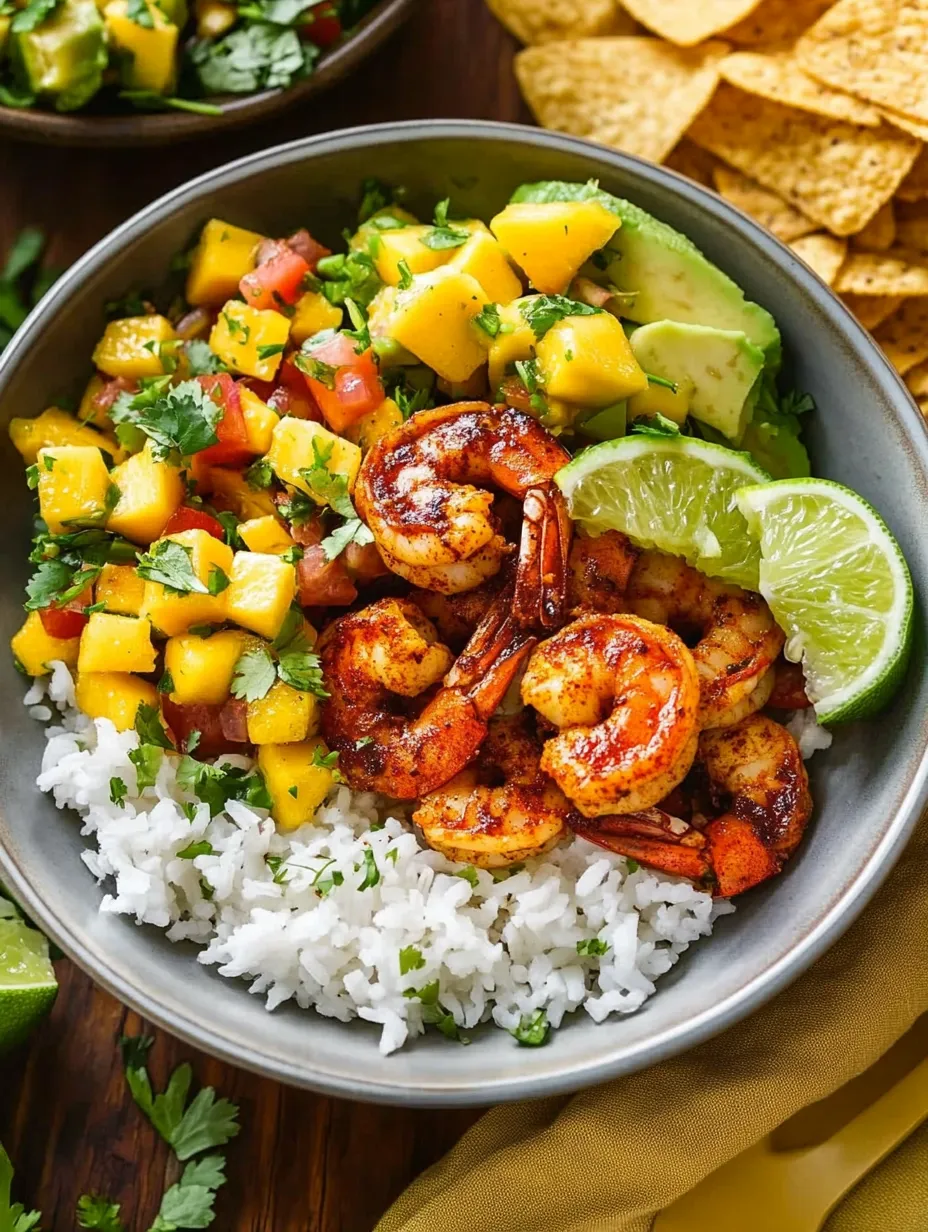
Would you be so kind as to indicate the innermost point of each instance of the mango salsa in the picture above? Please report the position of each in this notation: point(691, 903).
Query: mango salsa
point(368, 430)
point(115, 696)
point(587, 360)
point(149, 492)
point(131, 347)
point(151, 46)
point(484, 258)
point(74, 487)
point(267, 534)
point(231, 491)
point(34, 649)
point(260, 419)
point(223, 256)
point(313, 313)
point(261, 589)
point(201, 668)
point(284, 715)
point(112, 643)
point(173, 612)
point(120, 588)
point(292, 452)
point(296, 784)
point(515, 340)
point(551, 241)
point(434, 320)
point(243, 334)
point(56, 427)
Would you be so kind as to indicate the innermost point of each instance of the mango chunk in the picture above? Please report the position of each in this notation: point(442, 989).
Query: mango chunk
point(292, 451)
point(368, 430)
point(149, 492)
point(297, 787)
point(261, 589)
point(434, 320)
point(215, 17)
point(56, 427)
point(121, 589)
point(551, 241)
point(112, 643)
point(405, 244)
point(659, 400)
point(224, 255)
point(515, 341)
point(115, 696)
point(34, 649)
point(233, 492)
point(172, 612)
point(131, 347)
point(484, 258)
point(202, 667)
point(313, 313)
point(73, 486)
point(283, 716)
point(242, 335)
point(588, 361)
point(260, 419)
point(267, 534)
point(88, 412)
point(152, 48)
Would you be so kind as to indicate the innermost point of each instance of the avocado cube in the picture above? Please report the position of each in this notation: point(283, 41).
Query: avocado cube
point(587, 360)
point(65, 55)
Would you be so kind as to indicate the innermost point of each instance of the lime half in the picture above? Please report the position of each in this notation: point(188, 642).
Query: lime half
point(27, 981)
point(839, 587)
point(673, 493)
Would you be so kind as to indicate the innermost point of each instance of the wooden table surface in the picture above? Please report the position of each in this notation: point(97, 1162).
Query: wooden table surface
point(303, 1163)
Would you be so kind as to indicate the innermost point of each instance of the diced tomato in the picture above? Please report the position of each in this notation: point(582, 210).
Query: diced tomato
point(233, 719)
point(185, 720)
point(309, 248)
point(323, 26)
point(63, 622)
point(350, 385)
point(287, 395)
point(104, 398)
point(186, 518)
point(277, 280)
point(233, 448)
point(323, 583)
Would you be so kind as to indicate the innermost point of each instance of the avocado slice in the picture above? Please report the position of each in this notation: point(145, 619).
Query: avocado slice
point(64, 56)
point(722, 367)
point(670, 277)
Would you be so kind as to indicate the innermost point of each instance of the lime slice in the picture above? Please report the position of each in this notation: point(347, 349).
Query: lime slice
point(839, 587)
point(27, 981)
point(673, 493)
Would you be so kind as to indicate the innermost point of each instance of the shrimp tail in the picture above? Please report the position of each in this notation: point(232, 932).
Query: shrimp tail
point(653, 838)
point(492, 658)
point(541, 578)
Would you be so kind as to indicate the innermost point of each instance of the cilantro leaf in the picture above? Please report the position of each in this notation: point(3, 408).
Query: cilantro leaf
point(330, 487)
point(349, 276)
point(118, 792)
point(216, 785)
point(593, 947)
point(261, 56)
point(410, 959)
point(12, 1215)
point(150, 728)
point(33, 15)
point(375, 195)
point(254, 674)
point(352, 530)
point(208, 1122)
point(371, 871)
point(200, 847)
point(95, 1211)
point(442, 235)
point(171, 564)
point(533, 1029)
point(270, 349)
point(179, 419)
point(316, 370)
point(260, 474)
point(202, 360)
point(147, 761)
point(542, 311)
point(300, 667)
point(405, 273)
point(138, 12)
point(329, 761)
point(434, 1013)
point(470, 875)
point(488, 320)
point(654, 425)
point(218, 580)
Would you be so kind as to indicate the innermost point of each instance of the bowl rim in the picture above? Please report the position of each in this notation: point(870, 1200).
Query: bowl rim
point(237, 110)
point(840, 913)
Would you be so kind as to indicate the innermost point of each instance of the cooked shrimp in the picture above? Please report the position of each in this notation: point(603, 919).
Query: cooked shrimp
point(456, 616)
point(789, 690)
point(476, 820)
point(624, 694)
point(739, 640)
point(754, 765)
point(423, 490)
point(599, 570)
point(402, 722)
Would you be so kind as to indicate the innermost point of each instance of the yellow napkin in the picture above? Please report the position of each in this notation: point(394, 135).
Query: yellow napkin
point(605, 1160)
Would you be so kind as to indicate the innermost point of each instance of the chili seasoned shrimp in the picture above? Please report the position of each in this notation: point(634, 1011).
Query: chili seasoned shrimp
point(423, 490)
point(456, 616)
point(739, 640)
point(475, 819)
point(404, 716)
point(598, 572)
point(754, 765)
point(624, 693)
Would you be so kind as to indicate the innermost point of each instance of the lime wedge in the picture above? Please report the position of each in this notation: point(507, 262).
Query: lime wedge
point(27, 981)
point(839, 587)
point(673, 493)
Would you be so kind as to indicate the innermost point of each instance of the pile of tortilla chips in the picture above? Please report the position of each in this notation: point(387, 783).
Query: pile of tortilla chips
point(810, 115)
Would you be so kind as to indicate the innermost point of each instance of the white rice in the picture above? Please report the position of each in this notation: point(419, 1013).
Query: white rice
point(808, 733)
point(499, 949)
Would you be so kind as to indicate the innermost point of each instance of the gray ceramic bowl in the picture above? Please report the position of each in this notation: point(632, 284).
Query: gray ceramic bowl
point(869, 787)
point(79, 128)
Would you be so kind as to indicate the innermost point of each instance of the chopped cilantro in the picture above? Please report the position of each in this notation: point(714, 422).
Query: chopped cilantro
point(166, 683)
point(147, 761)
point(405, 273)
point(300, 667)
point(371, 871)
point(443, 236)
point(118, 791)
point(199, 847)
point(328, 761)
point(375, 195)
point(260, 474)
point(35, 12)
point(542, 311)
point(469, 873)
point(434, 1013)
point(271, 349)
point(533, 1029)
point(229, 523)
point(592, 948)
point(215, 785)
point(218, 581)
point(261, 56)
point(254, 674)
point(95, 1211)
point(488, 319)
point(410, 959)
point(316, 370)
point(653, 425)
point(149, 727)
point(171, 564)
point(180, 419)
point(201, 359)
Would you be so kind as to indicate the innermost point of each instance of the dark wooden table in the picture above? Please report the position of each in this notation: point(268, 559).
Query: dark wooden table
point(302, 1163)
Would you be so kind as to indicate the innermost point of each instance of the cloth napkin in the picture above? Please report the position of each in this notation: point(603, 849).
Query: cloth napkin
point(606, 1159)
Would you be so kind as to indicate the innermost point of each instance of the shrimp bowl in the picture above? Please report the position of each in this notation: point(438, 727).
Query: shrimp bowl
point(461, 589)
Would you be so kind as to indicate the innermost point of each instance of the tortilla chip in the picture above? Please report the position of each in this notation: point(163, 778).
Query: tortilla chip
point(912, 225)
point(917, 380)
point(915, 185)
point(904, 337)
point(824, 252)
point(691, 21)
point(872, 310)
point(777, 21)
point(634, 94)
point(897, 272)
point(766, 207)
point(837, 173)
point(550, 21)
point(916, 127)
point(692, 161)
point(776, 75)
point(876, 49)
point(879, 233)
